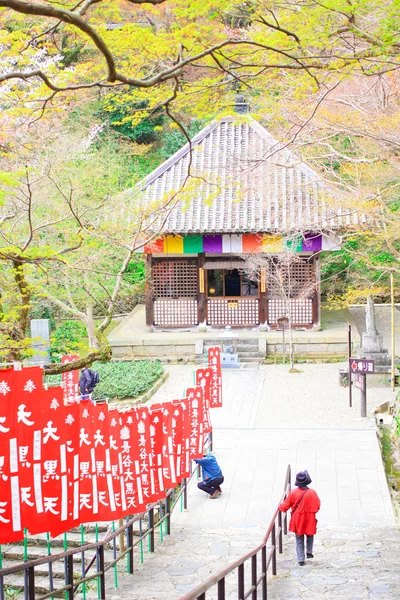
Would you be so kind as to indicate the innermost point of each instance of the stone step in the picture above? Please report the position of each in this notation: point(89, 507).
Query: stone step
point(252, 352)
point(238, 341)
point(250, 359)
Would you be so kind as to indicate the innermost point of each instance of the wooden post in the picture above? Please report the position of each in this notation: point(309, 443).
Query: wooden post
point(121, 536)
point(316, 307)
point(202, 301)
point(149, 291)
point(392, 328)
point(263, 302)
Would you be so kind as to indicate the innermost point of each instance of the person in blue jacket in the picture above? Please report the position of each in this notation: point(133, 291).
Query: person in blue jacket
point(212, 475)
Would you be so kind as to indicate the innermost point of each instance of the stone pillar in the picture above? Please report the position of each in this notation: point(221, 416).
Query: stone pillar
point(149, 291)
point(202, 297)
point(40, 334)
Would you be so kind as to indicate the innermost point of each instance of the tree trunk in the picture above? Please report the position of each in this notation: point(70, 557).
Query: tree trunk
point(91, 327)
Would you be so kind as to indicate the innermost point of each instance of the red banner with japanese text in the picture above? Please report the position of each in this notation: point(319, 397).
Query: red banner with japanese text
point(63, 465)
point(70, 380)
point(196, 435)
point(204, 380)
point(214, 363)
point(182, 438)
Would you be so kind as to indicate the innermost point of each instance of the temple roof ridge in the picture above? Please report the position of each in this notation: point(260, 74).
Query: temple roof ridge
point(241, 179)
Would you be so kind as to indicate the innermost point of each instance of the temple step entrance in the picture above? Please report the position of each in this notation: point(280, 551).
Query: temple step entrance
point(250, 350)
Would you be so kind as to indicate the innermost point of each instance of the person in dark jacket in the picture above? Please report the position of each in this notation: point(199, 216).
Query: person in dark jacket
point(304, 503)
point(212, 476)
point(85, 383)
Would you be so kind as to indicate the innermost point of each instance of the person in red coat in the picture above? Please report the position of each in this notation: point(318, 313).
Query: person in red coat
point(304, 504)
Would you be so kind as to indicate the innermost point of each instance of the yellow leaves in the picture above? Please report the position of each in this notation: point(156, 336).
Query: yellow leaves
point(354, 296)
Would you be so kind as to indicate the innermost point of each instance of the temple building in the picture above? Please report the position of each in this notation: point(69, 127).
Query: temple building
point(231, 194)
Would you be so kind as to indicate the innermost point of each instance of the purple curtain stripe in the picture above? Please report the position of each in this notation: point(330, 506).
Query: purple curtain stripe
point(312, 242)
point(212, 243)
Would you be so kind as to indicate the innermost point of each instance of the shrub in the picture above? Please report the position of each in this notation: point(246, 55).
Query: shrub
point(69, 338)
point(126, 379)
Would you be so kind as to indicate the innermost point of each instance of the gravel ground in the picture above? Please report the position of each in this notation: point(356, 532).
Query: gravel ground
point(310, 399)
point(313, 399)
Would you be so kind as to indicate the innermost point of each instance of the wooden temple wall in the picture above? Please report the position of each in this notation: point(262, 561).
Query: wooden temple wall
point(176, 297)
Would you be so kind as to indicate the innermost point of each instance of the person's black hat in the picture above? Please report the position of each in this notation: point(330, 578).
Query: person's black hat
point(302, 479)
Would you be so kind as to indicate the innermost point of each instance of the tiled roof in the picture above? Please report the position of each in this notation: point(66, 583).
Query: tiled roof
point(241, 180)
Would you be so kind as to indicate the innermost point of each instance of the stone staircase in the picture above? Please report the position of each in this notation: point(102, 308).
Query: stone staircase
point(251, 351)
point(354, 563)
point(37, 547)
point(351, 563)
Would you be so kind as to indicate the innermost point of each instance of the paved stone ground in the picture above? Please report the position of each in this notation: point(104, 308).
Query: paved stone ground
point(350, 564)
point(271, 418)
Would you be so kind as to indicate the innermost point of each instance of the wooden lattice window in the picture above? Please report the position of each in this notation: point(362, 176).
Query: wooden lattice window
point(175, 279)
point(232, 312)
point(300, 310)
point(175, 313)
point(293, 280)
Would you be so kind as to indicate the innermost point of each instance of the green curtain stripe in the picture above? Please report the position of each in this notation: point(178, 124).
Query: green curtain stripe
point(294, 244)
point(192, 244)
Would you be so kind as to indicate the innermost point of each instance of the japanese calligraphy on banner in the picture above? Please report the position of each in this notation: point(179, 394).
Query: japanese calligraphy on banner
point(66, 464)
point(70, 380)
point(196, 429)
point(203, 380)
point(214, 363)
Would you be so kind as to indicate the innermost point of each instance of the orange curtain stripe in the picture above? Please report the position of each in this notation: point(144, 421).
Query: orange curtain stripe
point(252, 242)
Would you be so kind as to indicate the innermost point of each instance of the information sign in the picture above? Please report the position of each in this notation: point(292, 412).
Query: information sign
point(362, 365)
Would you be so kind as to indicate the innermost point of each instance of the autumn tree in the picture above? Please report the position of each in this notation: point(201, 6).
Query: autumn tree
point(180, 58)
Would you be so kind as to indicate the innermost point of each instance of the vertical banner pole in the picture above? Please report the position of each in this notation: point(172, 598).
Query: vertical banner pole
point(141, 541)
point(50, 565)
point(392, 378)
point(83, 562)
point(121, 536)
point(115, 556)
point(98, 563)
point(364, 397)
point(349, 356)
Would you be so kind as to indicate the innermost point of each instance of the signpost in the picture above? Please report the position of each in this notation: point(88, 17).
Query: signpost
point(361, 367)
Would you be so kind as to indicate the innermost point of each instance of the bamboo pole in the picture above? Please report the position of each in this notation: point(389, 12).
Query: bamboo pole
point(392, 378)
point(121, 536)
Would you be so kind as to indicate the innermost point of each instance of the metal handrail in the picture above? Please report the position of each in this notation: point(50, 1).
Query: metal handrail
point(273, 532)
point(71, 584)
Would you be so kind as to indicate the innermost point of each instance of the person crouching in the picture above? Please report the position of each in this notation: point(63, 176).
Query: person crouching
point(212, 476)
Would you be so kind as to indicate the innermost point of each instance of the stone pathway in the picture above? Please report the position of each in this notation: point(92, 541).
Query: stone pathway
point(350, 564)
point(272, 418)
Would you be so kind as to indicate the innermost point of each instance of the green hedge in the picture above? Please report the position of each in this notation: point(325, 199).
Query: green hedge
point(126, 379)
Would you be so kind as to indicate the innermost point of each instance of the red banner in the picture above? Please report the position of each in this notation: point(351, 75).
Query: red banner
point(70, 380)
point(66, 464)
point(214, 362)
point(204, 380)
point(182, 438)
point(196, 436)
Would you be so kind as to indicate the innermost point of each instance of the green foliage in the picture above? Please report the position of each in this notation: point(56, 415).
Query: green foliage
point(174, 139)
point(396, 419)
point(69, 338)
point(121, 116)
point(392, 473)
point(135, 273)
point(42, 309)
point(126, 379)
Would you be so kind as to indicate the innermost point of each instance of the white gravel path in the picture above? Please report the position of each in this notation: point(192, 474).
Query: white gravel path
point(310, 399)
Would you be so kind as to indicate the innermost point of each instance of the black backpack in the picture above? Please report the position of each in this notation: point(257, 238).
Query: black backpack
point(95, 379)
